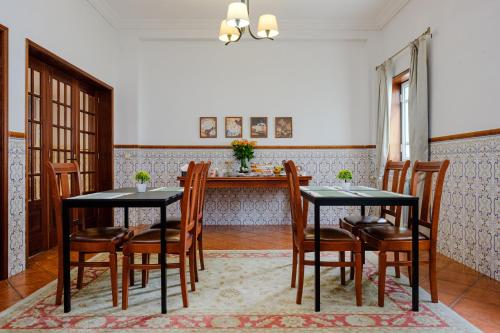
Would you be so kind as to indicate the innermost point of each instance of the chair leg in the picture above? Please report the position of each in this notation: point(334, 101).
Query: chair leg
point(351, 270)
point(408, 258)
point(132, 278)
point(342, 269)
point(182, 272)
point(396, 268)
point(382, 261)
point(145, 272)
point(301, 276)
point(59, 291)
point(125, 281)
point(200, 249)
point(192, 268)
point(113, 267)
point(433, 276)
point(195, 268)
point(81, 261)
point(294, 266)
point(358, 284)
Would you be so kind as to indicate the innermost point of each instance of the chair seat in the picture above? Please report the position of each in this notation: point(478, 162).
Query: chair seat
point(329, 234)
point(363, 221)
point(106, 234)
point(391, 233)
point(152, 236)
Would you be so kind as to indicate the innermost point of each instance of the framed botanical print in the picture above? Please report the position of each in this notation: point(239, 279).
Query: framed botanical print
point(258, 127)
point(208, 127)
point(234, 127)
point(283, 127)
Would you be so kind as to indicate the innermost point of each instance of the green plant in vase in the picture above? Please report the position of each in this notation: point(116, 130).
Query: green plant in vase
point(142, 177)
point(243, 151)
point(346, 176)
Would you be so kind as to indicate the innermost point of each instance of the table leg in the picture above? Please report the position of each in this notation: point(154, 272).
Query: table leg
point(415, 260)
point(316, 257)
point(362, 210)
point(163, 264)
point(66, 258)
point(125, 219)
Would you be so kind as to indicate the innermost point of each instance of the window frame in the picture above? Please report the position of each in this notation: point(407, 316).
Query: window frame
point(395, 116)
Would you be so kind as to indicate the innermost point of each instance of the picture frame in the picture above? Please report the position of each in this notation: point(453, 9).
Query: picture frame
point(258, 127)
point(233, 127)
point(283, 127)
point(208, 127)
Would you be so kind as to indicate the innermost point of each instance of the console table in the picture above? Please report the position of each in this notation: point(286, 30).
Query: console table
point(250, 181)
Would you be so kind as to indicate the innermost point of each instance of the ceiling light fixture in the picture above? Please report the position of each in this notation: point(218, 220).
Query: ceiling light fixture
point(237, 21)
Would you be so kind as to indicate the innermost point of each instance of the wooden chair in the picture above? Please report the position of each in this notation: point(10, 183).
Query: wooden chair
point(64, 181)
point(175, 223)
point(179, 241)
point(331, 238)
point(397, 239)
point(355, 223)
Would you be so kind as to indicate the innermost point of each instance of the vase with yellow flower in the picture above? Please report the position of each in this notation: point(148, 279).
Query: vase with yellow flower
point(243, 151)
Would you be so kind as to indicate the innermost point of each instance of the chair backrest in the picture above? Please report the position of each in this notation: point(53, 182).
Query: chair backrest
point(398, 169)
point(64, 182)
point(431, 176)
point(298, 206)
point(190, 202)
point(203, 189)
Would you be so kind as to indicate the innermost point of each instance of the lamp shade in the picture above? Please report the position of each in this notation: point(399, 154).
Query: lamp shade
point(268, 26)
point(227, 33)
point(237, 15)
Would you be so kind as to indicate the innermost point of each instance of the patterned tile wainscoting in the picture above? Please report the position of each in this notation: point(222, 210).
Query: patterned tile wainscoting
point(241, 206)
point(17, 221)
point(469, 230)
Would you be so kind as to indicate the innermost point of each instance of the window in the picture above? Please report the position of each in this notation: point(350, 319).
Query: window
point(399, 145)
point(405, 127)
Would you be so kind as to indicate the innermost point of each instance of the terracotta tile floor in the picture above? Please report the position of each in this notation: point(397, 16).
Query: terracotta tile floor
point(471, 294)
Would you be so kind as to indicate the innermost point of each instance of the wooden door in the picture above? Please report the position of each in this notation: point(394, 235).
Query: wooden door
point(37, 229)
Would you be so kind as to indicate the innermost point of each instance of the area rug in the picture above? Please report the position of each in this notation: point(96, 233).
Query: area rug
point(240, 291)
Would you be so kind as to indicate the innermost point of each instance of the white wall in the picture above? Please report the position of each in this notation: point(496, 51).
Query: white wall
point(464, 60)
point(71, 29)
point(323, 85)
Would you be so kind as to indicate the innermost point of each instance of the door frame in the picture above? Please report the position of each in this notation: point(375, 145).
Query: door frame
point(105, 92)
point(4, 148)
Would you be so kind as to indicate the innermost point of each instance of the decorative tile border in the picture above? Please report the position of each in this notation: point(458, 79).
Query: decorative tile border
point(469, 230)
point(241, 206)
point(17, 209)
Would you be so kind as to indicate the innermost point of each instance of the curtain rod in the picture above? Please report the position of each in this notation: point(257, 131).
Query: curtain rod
point(426, 32)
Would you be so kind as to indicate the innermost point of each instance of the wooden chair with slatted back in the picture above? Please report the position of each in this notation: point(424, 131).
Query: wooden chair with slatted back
point(174, 223)
point(179, 241)
point(395, 175)
point(64, 182)
point(398, 239)
point(331, 238)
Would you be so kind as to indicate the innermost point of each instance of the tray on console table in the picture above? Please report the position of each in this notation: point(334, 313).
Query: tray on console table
point(250, 182)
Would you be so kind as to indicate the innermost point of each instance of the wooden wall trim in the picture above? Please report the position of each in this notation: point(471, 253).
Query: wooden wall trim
point(468, 135)
point(229, 147)
point(4, 151)
point(17, 135)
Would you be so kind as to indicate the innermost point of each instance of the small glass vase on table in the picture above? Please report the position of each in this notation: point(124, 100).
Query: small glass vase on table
point(243, 151)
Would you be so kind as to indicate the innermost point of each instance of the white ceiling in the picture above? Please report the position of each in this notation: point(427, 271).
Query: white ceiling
point(343, 14)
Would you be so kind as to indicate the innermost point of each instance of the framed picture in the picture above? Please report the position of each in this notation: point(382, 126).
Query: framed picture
point(208, 127)
point(234, 127)
point(258, 127)
point(283, 127)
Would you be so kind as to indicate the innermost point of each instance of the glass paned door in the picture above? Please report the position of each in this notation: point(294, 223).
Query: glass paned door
point(61, 135)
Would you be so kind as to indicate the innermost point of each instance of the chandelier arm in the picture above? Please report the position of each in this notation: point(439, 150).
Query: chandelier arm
point(241, 31)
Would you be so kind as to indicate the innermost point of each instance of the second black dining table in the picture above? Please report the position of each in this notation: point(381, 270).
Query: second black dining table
point(126, 198)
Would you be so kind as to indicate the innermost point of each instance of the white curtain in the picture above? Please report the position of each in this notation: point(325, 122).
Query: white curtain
point(418, 103)
point(384, 73)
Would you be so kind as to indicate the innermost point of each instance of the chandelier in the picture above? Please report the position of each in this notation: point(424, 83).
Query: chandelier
point(238, 21)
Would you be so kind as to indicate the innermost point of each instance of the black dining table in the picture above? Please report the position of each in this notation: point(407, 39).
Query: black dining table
point(322, 196)
point(125, 198)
